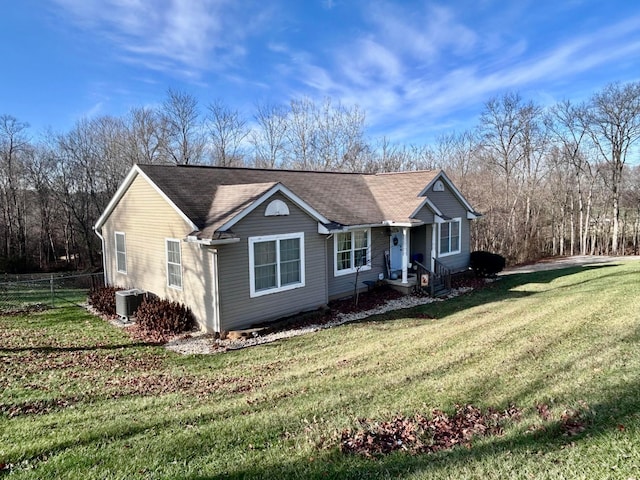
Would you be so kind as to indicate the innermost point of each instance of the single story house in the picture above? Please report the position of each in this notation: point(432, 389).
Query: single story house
point(241, 246)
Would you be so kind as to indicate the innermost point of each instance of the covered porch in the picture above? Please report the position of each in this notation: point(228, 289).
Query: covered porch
point(411, 261)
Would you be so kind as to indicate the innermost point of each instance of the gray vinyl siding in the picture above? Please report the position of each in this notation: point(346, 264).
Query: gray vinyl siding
point(237, 309)
point(424, 214)
point(343, 285)
point(451, 207)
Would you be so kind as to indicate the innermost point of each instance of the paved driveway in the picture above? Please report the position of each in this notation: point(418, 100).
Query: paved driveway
point(565, 262)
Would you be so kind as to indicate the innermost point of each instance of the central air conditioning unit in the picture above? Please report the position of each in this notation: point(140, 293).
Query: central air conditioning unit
point(127, 302)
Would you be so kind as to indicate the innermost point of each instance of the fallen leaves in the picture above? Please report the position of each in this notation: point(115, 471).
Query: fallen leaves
point(419, 434)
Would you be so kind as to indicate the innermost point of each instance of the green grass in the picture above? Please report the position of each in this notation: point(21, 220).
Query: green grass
point(22, 296)
point(94, 404)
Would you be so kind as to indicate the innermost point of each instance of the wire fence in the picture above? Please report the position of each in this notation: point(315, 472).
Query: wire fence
point(22, 293)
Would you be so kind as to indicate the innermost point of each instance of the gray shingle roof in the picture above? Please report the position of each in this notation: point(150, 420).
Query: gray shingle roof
point(211, 196)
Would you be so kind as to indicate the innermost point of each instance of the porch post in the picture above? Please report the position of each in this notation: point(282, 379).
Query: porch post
point(433, 246)
point(405, 255)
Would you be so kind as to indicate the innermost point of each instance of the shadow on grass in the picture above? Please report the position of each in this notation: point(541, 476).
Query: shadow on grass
point(505, 288)
point(610, 416)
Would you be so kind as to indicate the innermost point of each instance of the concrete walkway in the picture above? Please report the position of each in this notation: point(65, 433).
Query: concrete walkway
point(566, 262)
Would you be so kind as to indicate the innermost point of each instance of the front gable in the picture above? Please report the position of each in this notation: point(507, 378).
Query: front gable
point(443, 201)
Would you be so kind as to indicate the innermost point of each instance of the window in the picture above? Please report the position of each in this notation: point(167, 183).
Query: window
point(352, 251)
point(174, 264)
point(276, 263)
point(121, 253)
point(450, 237)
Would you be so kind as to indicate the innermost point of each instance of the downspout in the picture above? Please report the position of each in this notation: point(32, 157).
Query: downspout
point(216, 293)
point(104, 256)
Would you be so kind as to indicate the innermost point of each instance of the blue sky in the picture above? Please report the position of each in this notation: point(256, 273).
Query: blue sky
point(417, 68)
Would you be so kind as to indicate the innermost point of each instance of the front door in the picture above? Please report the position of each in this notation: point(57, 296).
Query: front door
point(396, 248)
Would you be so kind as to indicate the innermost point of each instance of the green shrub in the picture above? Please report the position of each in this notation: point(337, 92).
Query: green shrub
point(103, 299)
point(164, 316)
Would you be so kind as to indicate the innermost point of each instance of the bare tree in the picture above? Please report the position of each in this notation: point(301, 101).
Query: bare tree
point(269, 136)
point(145, 140)
point(227, 132)
point(182, 134)
point(299, 133)
point(612, 118)
point(14, 145)
point(565, 122)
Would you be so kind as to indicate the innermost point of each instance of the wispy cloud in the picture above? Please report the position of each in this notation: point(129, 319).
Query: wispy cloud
point(391, 73)
point(170, 35)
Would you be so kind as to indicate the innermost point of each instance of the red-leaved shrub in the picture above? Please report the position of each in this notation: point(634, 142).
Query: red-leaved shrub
point(164, 316)
point(103, 299)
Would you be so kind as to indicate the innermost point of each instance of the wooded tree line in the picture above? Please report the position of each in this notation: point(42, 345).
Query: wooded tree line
point(549, 181)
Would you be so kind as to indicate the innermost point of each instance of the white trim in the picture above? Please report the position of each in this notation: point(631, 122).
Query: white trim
point(216, 294)
point(347, 271)
point(275, 238)
point(104, 257)
point(276, 208)
point(452, 252)
point(405, 255)
point(209, 242)
point(279, 187)
point(124, 186)
point(124, 239)
point(430, 204)
point(166, 251)
point(323, 230)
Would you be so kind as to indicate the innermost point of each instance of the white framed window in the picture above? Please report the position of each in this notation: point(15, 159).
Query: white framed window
point(353, 251)
point(449, 237)
point(174, 263)
point(121, 252)
point(276, 263)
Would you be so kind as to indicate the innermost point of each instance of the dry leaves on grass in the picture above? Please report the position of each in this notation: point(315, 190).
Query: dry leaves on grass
point(419, 434)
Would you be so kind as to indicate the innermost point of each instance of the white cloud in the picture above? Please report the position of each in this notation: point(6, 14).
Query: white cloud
point(171, 35)
point(391, 72)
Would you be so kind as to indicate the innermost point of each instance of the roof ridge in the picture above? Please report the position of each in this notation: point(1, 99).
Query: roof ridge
point(434, 170)
point(217, 167)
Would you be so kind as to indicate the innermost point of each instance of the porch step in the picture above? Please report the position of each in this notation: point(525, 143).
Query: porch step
point(440, 291)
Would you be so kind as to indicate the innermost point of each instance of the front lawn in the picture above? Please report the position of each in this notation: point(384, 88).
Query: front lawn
point(81, 400)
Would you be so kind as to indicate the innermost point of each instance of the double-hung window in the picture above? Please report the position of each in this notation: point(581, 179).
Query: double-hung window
point(121, 253)
point(450, 237)
point(353, 251)
point(174, 263)
point(276, 263)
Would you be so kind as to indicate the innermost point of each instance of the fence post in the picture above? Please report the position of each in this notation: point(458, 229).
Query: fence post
point(52, 299)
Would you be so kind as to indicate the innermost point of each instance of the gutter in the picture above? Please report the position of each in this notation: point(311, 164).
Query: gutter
point(209, 241)
point(322, 229)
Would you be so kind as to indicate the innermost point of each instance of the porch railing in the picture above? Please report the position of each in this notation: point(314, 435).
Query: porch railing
point(442, 277)
point(439, 281)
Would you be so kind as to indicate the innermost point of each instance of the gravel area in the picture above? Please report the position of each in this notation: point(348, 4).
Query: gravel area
point(205, 343)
